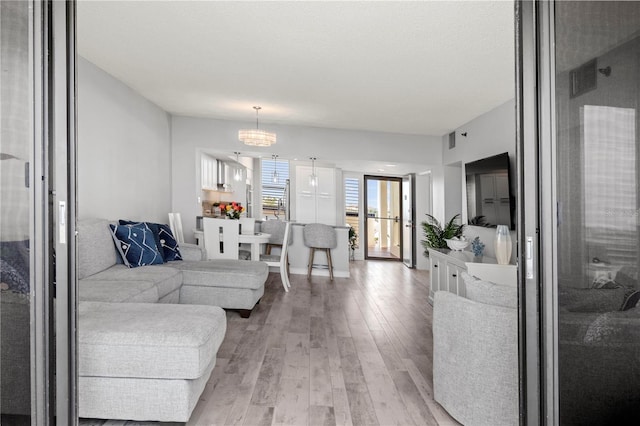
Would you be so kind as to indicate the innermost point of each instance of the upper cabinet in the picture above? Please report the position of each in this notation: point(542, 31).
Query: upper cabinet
point(208, 172)
point(316, 204)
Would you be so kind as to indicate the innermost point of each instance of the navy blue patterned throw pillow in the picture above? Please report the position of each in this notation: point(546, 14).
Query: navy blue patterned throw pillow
point(136, 245)
point(165, 240)
point(169, 244)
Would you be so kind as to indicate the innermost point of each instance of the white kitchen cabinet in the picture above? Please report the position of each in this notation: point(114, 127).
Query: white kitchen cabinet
point(315, 204)
point(208, 172)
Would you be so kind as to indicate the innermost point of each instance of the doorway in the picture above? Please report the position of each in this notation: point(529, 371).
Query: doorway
point(383, 224)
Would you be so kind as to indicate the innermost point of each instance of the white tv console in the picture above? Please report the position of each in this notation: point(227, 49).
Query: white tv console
point(447, 265)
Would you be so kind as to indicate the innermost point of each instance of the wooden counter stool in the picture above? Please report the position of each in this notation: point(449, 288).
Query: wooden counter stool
point(318, 236)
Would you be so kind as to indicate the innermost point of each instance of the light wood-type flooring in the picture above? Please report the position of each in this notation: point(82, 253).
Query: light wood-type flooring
point(355, 351)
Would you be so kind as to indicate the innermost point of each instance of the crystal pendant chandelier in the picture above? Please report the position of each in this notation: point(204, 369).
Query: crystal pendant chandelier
point(256, 137)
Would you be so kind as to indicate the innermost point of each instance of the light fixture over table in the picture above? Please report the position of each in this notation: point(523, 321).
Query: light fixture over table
point(313, 178)
point(237, 176)
point(256, 137)
point(275, 168)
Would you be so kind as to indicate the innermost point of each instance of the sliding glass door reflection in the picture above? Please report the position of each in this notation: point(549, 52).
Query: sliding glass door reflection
point(596, 101)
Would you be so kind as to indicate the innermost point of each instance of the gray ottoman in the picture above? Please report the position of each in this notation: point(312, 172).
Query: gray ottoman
point(143, 361)
point(231, 284)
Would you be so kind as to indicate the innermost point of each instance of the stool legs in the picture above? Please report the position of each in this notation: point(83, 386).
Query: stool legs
point(312, 251)
point(330, 264)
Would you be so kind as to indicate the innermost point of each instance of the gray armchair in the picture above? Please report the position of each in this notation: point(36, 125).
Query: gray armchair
point(475, 354)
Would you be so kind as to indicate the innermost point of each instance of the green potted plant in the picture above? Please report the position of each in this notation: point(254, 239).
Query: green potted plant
point(353, 244)
point(436, 235)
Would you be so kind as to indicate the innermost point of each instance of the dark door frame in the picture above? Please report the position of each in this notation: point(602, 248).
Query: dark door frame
point(366, 215)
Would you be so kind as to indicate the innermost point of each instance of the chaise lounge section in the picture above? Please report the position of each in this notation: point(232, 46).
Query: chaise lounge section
point(148, 336)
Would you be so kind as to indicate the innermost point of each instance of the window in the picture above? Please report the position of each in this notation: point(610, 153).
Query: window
point(273, 192)
point(352, 204)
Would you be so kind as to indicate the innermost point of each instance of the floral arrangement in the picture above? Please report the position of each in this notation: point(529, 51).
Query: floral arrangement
point(477, 246)
point(232, 211)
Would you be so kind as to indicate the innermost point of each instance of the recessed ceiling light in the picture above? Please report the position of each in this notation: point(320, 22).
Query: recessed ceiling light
point(381, 170)
point(389, 165)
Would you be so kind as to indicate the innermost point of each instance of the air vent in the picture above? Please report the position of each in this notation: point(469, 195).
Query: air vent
point(452, 140)
point(584, 78)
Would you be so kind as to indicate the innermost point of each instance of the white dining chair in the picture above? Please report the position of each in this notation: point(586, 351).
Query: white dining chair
point(175, 223)
point(221, 238)
point(281, 260)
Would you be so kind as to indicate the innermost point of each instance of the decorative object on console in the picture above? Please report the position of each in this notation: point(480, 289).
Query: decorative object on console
point(436, 236)
point(477, 247)
point(457, 243)
point(256, 137)
point(233, 210)
point(502, 244)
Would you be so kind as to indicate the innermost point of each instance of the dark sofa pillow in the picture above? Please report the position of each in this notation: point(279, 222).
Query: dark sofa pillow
point(165, 241)
point(136, 245)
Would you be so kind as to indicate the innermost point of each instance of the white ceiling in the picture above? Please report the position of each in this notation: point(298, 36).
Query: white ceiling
point(404, 67)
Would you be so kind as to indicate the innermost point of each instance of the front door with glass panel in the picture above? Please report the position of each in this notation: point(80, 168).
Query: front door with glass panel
point(383, 225)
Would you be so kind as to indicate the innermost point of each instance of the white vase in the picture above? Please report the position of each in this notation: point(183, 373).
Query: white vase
point(502, 244)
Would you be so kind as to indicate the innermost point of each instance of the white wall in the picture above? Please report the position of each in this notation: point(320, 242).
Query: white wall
point(487, 135)
point(423, 206)
point(190, 135)
point(124, 150)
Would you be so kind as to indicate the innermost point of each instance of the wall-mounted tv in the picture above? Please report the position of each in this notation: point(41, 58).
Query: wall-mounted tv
point(490, 201)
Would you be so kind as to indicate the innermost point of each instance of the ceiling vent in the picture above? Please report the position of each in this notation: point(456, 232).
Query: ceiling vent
point(452, 140)
point(583, 79)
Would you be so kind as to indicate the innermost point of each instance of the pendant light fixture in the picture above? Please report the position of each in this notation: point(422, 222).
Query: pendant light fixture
point(237, 176)
point(275, 168)
point(313, 178)
point(256, 137)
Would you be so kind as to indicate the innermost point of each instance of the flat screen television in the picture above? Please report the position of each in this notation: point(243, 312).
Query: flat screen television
point(490, 201)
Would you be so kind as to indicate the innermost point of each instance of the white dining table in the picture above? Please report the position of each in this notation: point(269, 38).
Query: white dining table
point(255, 240)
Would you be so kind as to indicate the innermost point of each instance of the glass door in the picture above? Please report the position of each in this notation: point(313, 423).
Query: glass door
point(383, 204)
point(408, 220)
point(37, 189)
point(582, 271)
point(18, 274)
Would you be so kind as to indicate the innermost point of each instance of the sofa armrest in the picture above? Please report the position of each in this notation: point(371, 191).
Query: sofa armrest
point(192, 252)
point(475, 358)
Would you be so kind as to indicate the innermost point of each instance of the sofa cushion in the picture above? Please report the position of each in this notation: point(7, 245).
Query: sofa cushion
point(165, 241)
point(591, 299)
point(224, 273)
point(166, 279)
point(136, 245)
point(117, 291)
point(96, 250)
point(148, 340)
point(490, 293)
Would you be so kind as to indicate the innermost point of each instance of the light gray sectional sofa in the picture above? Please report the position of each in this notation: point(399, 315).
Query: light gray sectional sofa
point(230, 284)
point(475, 353)
point(148, 336)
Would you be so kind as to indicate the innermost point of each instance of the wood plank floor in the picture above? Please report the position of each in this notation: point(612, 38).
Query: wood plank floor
point(355, 351)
